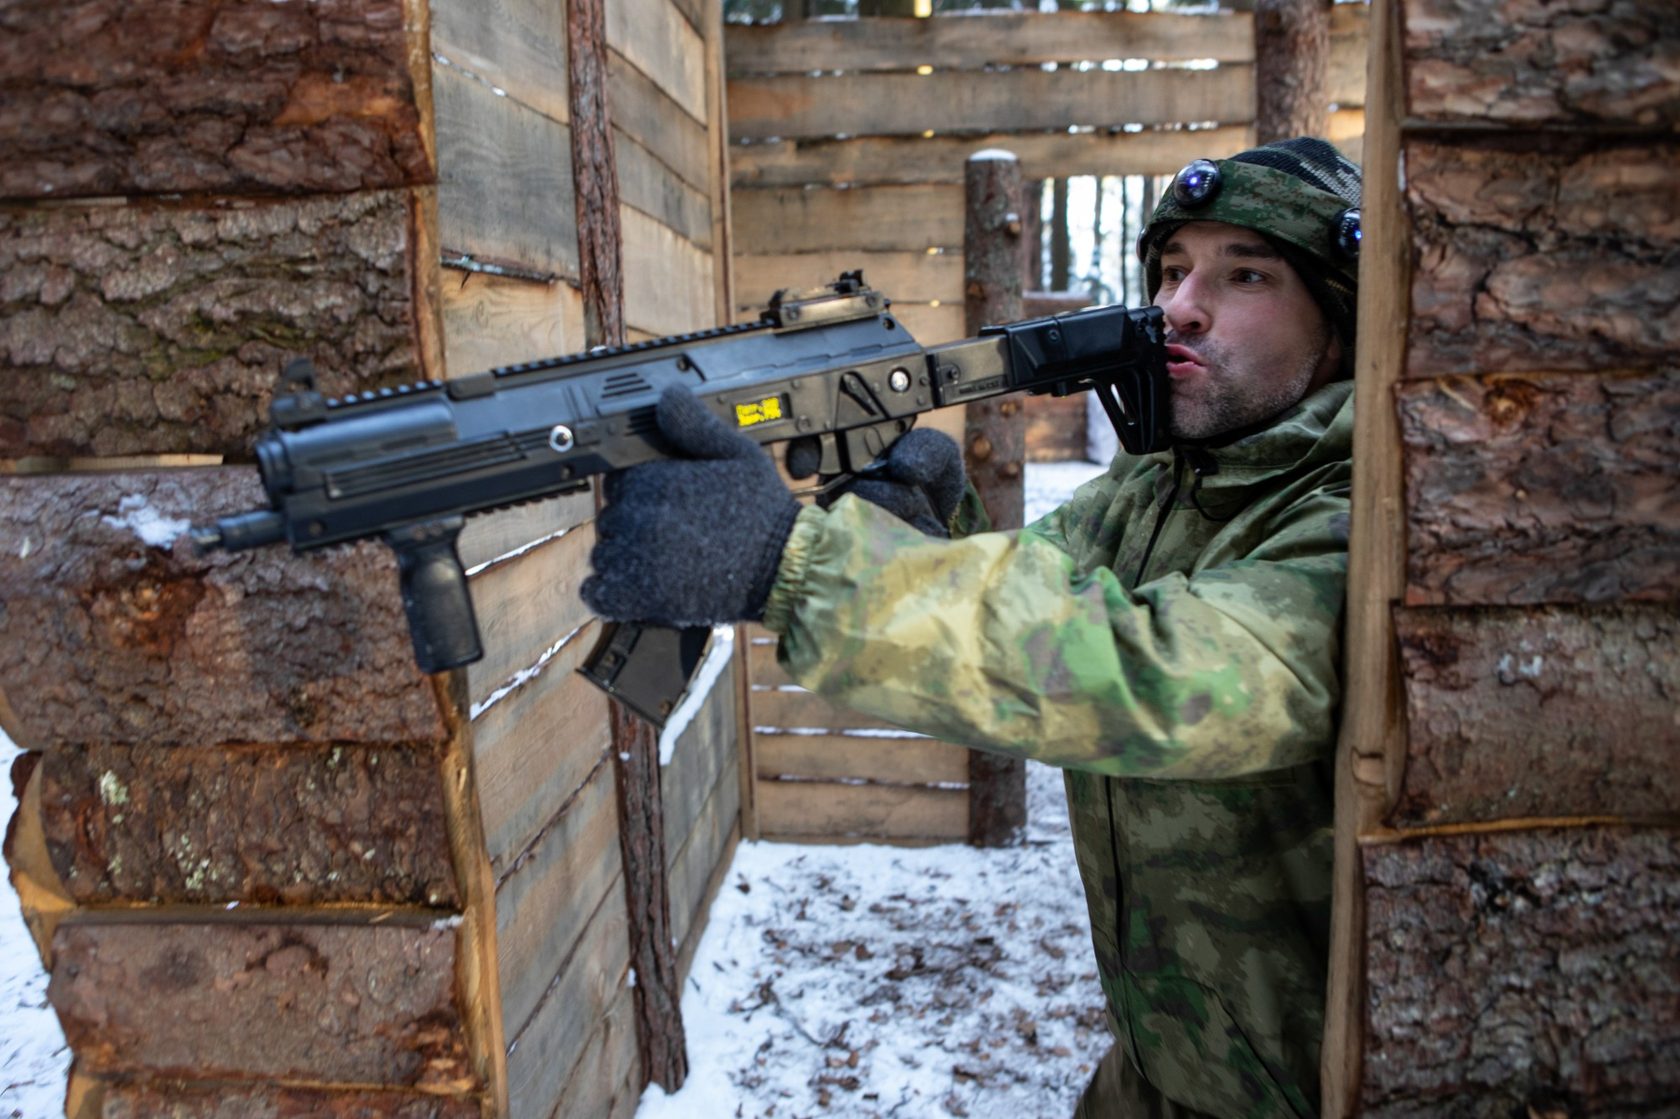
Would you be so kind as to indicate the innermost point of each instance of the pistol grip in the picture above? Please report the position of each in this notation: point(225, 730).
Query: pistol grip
point(434, 594)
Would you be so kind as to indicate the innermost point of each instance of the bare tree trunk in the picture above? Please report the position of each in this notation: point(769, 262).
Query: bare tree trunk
point(1292, 62)
point(1061, 248)
point(995, 439)
point(659, 1024)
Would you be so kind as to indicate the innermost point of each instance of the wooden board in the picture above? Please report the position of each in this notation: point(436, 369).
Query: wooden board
point(1535, 65)
point(248, 824)
point(660, 43)
point(149, 330)
point(703, 751)
point(820, 809)
point(653, 188)
point(361, 996)
point(919, 276)
point(504, 178)
point(1542, 488)
point(608, 1080)
point(940, 159)
point(1512, 970)
point(496, 536)
point(1056, 427)
point(836, 757)
point(1512, 267)
point(789, 107)
point(534, 748)
point(490, 321)
point(546, 897)
point(695, 865)
point(972, 40)
point(1371, 745)
point(795, 707)
point(914, 217)
point(108, 638)
point(190, 1100)
point(1555, 712)
point(549, 1054)
point(647, 114)
point(110, 98)
point(525, 606)
point(518, 46)
point(667, 279)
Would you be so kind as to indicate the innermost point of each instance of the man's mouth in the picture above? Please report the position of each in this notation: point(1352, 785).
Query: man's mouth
point(1182, 361)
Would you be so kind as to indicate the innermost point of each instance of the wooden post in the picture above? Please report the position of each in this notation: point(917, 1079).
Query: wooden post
point(994, 436)
point(659, 1027)
point(1291, 69)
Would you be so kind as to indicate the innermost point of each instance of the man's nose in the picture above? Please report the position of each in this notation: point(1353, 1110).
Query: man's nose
point(1184, 309)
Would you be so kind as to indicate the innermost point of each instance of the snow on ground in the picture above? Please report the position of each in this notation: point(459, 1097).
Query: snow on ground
point(34, 1060)
point(844, 981)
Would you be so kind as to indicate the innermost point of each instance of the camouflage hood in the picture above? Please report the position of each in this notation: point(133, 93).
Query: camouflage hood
point(1188, 689)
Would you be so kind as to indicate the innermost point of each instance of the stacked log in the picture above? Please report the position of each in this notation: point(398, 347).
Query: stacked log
point(1512, 860)
point(270, 867)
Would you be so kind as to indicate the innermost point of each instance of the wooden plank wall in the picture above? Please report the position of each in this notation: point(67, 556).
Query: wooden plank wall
point(845, 154)
point(541, 732)
point(1509, 833)
point(241, 802)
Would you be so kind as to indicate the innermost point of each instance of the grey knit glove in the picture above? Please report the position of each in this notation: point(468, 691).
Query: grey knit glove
point(695, 539)
point(920, 480)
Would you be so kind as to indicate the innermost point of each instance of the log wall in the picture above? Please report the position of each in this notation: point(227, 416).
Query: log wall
point(848, 143)
point(241, 802)
point(1509, 823)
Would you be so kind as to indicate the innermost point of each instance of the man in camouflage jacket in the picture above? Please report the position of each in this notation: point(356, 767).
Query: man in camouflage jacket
point(1169, 637)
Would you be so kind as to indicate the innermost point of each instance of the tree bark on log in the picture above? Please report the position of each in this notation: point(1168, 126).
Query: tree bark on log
point(1522, 970)
point(658, 995)
point(995, 436)
point(114, 630)
point(152, 1099)
point(1291, 69)
point(105, 97)
point(315, 998)
point(1527, 712)
point(1551, 255)
point(1547, 488)
point(161, 329)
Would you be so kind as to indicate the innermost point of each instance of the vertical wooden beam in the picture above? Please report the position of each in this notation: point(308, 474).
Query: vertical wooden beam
point(1372, 744)
point(995, 437)
point(659, 1028)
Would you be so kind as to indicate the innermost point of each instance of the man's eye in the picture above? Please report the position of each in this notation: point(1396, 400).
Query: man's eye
point(1248, 276)
point(1172, 274)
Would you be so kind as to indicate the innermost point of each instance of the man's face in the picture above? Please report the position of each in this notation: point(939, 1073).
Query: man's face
point(1245, 339)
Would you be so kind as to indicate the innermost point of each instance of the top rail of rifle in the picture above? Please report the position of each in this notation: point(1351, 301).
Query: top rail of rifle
point(600, 352)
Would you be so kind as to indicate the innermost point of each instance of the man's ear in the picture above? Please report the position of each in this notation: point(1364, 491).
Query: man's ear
point(1336, 363)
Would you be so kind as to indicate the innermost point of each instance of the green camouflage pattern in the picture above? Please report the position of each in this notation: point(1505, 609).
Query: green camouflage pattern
point(1193, 712)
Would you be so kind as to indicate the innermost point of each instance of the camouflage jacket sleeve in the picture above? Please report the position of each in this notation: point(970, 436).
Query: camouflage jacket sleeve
point(997, 641)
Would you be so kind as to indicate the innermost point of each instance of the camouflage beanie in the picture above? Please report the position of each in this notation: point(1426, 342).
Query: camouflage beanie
point(1297, 193)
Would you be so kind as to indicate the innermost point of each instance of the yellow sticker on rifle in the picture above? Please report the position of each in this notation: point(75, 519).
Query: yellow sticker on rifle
point(758, 412)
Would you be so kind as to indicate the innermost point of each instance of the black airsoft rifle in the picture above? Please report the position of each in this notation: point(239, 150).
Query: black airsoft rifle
point(827, 371)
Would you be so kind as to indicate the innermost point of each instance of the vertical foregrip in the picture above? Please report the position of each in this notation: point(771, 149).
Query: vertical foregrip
point(434, 594)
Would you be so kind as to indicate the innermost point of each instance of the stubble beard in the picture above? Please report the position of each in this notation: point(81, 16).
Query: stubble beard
point(1227, 396)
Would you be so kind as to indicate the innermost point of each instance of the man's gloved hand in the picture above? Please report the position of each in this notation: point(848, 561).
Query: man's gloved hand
point(921, 481)
point(693, 540)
